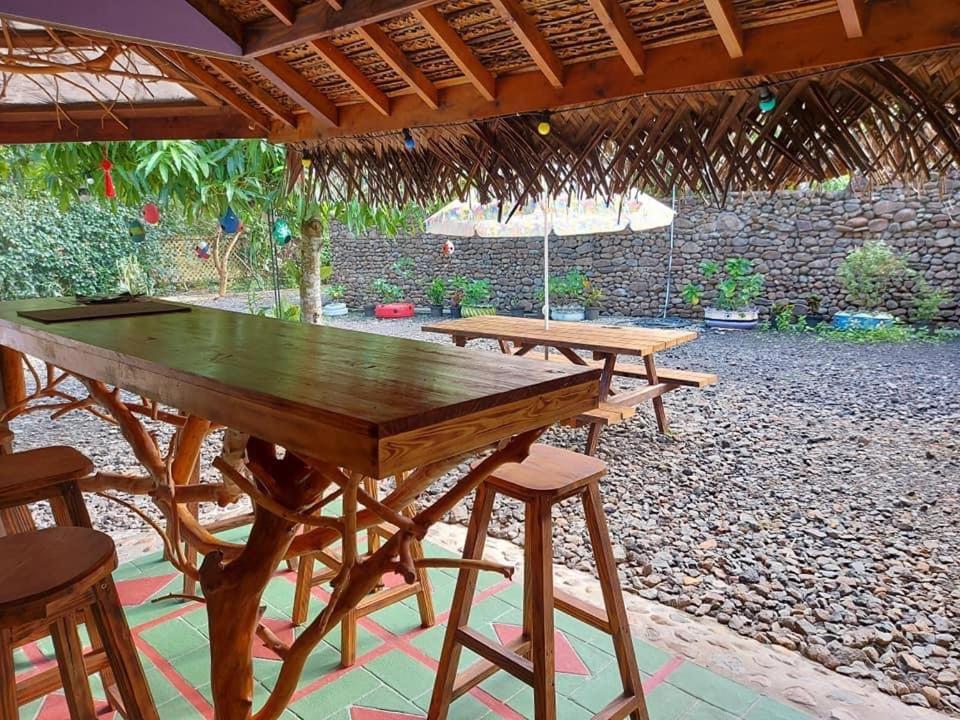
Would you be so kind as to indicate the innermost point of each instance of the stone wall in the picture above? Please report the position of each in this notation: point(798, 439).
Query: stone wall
point(797, 239)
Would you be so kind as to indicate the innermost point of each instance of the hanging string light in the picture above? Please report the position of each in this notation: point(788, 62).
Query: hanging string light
point(408, 142)
point(768, 101)
point(543, 125)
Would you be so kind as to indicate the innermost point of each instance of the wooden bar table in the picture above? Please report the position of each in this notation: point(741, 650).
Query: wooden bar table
point(606, 342)
point(342, 404)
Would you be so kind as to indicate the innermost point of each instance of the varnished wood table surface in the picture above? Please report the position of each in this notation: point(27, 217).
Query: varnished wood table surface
point(343, 404)
point(606, 342)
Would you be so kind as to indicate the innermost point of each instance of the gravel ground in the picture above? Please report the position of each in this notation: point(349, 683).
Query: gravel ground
point(810, 499)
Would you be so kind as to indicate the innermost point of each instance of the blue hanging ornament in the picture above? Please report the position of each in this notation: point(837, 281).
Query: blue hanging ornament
point(281, 232)
point(230, 223)
point(137, 231)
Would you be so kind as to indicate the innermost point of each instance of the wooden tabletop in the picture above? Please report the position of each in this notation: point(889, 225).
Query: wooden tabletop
point(616, 339)
point(372, 403)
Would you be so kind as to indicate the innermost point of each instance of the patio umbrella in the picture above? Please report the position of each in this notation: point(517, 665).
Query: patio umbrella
point(562, 214)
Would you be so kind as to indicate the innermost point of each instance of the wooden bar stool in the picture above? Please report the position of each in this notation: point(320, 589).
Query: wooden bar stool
point(384, 597)
point(50, 580)
point(546, 477)
point(51, 474)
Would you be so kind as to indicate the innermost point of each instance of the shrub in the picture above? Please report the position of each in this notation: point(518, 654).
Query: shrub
point(568, 289)
point(927, 302)
point(459, 285)
point(387, 291)
point(437, 291)
point(870, 273)
point(336, 292)
point(737, 285)
point(477, 292)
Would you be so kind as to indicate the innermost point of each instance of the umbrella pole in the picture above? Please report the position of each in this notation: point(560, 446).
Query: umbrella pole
point(546, 270)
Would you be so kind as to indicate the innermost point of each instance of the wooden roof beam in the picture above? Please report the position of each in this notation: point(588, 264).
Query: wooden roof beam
point(400, 63)
point(724, 18)
point(173, 125)
point(301, 90)
point(852, 12)
point(320, 20)
point(269, 102)
point(177, 75)
point(618, 27)
point(345, 68)
point(452, 44)
point(529, 35)
point(282, 10)
point(335, 4)
point(217, 87)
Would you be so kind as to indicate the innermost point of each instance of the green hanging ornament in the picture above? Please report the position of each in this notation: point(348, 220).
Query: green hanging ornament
point(281, 232)
point(136, 229)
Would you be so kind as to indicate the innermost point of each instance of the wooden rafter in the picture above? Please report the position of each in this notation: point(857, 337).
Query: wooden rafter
point(852, 12)
point(400, 63)
point(529, 35)
point(282, 10)
point(787, 47)
point(217, 87)
point(447, 38)
point(42, 40)
point(335, 4)
point(346, 69)
point(618, 27)
point(177, 75)
point(320, 20)
point(268, 101)
point(175, 124)
point(724, 18)
point(301, 90)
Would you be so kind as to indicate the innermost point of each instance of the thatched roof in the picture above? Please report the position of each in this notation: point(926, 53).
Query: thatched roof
point(644, 92)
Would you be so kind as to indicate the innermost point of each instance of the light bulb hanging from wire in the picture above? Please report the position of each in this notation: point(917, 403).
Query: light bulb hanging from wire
point(408, 141)
point(768, 101)
point(543, 124)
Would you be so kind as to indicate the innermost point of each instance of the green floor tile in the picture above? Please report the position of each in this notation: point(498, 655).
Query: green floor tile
point(398, 618)
point(705, 711)
point(768, 709)
point(160, 687)
point(649, 657)
point(385, 698)
point(29, 711)
point(175, 638)
point(503, 686)
point(343, 692)
point(666, 702)
point(194, 667)
point(463, 708)
point(178, 709)
point(712, 688)
point(402, 674)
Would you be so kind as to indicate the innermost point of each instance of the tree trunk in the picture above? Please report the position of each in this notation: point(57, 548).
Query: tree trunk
point(311, 241)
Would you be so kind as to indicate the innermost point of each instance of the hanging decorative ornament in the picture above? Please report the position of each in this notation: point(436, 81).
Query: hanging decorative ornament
point(230, 223)
point(151, 213)
point(202, 250)
point(767, 101)
point(84, 194)
point(448, 248)
point(281, 232)
point(138, 232)
point(108, 188)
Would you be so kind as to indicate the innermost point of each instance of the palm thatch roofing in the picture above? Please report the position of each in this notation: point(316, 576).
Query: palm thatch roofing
point(643, 93)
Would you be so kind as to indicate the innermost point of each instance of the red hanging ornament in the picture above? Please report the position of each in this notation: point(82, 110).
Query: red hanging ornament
point(108, 189)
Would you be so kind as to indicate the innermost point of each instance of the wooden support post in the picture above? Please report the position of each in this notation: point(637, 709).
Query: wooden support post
point(658, 407)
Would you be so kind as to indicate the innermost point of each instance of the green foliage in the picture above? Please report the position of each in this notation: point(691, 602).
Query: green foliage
point(568, 289)
point(896, 332)
point(870, 273)
point(592, 296)
point(737, 285)
point(86, 249)
point(336, 292)
point(927, 302)
point(437, 291)
point(813, 304)
point(388, 292)
point(477, 292)
point(403, 267)
point(458, 283)
point(287, 311)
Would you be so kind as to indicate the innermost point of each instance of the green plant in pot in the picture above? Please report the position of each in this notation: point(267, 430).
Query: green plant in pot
point(436, 294)
point(927, 304)
point(335, 306)
point(592, 297)
point(869, 275)
point(567, 293)
point(814, 315)
point(476, 299)
point(458, 286)
point(737, 287)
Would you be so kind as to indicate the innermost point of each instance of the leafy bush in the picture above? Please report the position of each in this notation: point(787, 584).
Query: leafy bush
point(387, 291)
point(87, 249)
point(569, 289)
point(437, 291)
point(737, 285)
point(459, 286)
point(927, 302)
point(477, 292)
point(870, 273)
point(337, 292)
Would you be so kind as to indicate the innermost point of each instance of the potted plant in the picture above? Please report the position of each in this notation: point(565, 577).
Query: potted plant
point(390, 305)
point(927, 304)
point(592, 297)
point(458, 286)
point(336, 306)
point(516, 309)
point(814, 315)
point(868, 275)
point(737, 289)
point(567, 296)
point(436, 292)
point(476, 299)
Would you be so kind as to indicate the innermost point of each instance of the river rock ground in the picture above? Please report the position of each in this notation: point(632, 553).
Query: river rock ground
point(811, 499)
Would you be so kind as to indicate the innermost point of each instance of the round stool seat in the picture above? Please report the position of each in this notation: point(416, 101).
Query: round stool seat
point(38, 570)
point(549, 472)
point(31, 471)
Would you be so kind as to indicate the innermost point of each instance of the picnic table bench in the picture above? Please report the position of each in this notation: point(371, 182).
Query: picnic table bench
point(607, 343)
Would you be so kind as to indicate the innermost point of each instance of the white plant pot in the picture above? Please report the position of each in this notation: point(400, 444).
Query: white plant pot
point(572, 313)
point(335, 309)
point(746, 319)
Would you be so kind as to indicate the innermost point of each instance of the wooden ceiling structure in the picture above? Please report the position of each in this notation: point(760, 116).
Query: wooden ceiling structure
point(641, 91)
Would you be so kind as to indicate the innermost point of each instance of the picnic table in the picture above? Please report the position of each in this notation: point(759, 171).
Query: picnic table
point(607, 343)
point(343, 405)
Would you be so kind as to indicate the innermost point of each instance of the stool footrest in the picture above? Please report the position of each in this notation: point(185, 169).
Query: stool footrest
point(581, 610)
point(48, 681)
point(514, 663)
point(483, 669)
point(619, 708)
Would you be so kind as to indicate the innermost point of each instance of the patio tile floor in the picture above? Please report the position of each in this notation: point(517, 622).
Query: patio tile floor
point(397, 660)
